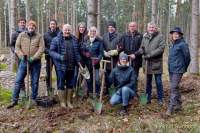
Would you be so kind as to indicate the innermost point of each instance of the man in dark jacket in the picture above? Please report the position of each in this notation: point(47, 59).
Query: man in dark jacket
point(131, 43)
point(21, 28)
point(152, 48)
point(123, 78)
point(112, 46)
point(48, 37)
point(178, 62)
point(65, 54)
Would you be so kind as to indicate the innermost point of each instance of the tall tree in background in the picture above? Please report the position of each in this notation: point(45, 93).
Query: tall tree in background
point(92, 13)
point(154, 13)
point(194, 65)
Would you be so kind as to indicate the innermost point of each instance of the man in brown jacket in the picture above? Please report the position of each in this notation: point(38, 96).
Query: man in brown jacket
point(29, 49)
point(152, 48)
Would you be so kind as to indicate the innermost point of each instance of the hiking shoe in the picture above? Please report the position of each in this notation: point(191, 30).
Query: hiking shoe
point(13, 104)
point(123, 112)
point(178, 108)
point(160, 103)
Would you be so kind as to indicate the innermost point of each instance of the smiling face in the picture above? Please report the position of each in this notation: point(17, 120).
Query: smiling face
point(66, 30)
point(22, 24)
point(175, 36)
point(92, 32)
point(53, 25)
point(31, 28)
point(111, 29)
point(132, 27)
point(82, 28)
point(123, 62)
point(151, 28)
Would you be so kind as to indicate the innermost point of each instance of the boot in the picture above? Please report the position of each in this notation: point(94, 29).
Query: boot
point(13, 104)
point(124, 111)
point(62, 97)
point(32, 103)
point(169, 110)
point(69, 97)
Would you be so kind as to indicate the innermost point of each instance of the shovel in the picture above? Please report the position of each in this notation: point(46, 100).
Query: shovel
point(143, 97)
point(99, 105)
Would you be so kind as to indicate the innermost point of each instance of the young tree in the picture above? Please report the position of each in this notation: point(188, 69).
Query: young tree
point(154, 7)
point(194, 65)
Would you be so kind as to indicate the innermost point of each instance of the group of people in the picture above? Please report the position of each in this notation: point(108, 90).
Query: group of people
point(128, 52)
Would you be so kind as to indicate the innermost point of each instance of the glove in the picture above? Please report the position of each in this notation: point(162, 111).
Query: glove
point(113, 52)
point(146, 57)
point(106, 54)
point(23, 58)
point(31, 60)
point(95, 61)
point(88, 54)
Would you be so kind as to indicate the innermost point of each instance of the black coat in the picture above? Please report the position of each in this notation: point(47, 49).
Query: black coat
point(131, 43)
point(14, 38)
point(122, 76)
point(48, 37)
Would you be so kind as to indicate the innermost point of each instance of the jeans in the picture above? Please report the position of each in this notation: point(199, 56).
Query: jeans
point(90, 82)
point(65, 79)
point(123, 95)
point(159, 86)
point(34, 71)
point(175, 95)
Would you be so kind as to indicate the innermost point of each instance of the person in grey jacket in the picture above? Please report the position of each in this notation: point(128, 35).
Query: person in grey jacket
point(152, 48)
point(178, 62)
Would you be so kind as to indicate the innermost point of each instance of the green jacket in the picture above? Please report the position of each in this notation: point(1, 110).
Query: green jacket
point(154, 47)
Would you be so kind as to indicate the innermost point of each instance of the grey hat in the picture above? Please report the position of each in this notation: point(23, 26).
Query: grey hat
point(123, 56)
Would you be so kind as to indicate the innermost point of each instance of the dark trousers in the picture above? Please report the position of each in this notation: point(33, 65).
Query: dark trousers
point(65, 79)
point(175, 95)
point(136, 70)
point(159, 86)
point(49, 66)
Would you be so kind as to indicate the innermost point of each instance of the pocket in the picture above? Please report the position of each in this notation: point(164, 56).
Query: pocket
point(156, 64)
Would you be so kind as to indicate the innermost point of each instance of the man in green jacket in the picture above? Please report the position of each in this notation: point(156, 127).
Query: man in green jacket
point(152, 48)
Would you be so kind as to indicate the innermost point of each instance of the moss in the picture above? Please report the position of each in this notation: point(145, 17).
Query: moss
point(3, 66)
point(5, 96)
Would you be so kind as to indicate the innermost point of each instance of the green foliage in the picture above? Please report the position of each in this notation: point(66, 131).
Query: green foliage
point(5, 96)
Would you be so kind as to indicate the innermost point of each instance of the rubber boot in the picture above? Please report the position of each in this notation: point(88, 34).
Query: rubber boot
point(62, 98)
point(69, 98)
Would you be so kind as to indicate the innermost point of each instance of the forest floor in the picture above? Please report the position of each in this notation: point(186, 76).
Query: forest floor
point(82, 119)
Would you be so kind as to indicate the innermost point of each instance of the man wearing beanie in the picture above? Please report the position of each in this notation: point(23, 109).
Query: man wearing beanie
point(29, 48)
point(112, 46)
point(123, 79)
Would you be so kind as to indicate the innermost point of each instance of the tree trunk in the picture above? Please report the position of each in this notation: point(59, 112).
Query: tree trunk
point(177, 18)
point(27, 10)
point(99, 17)
point(154, 9)
point(92, 13)
point(194, 65)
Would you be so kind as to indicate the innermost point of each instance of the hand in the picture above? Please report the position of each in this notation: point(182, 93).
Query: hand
point(31, 60)
point(106, 54)
point(23, 58)
point(146, 57)
point(95, 61)
point(132, 56)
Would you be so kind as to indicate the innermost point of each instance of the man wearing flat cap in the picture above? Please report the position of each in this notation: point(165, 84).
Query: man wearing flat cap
point(29, 48)
point(123, 79)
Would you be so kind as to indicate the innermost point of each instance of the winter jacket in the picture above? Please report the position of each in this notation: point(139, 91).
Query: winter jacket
point(131, 43)
point(32, 46)
point(122, 76)
point(94, 50)
point(154, 46)
point(59, 49)
point(114, 43)
point(179, 57)
point(14, 38)
point(48, 37)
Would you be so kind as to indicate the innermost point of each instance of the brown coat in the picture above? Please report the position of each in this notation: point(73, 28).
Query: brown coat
point(154, 47)
point(30, 46)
